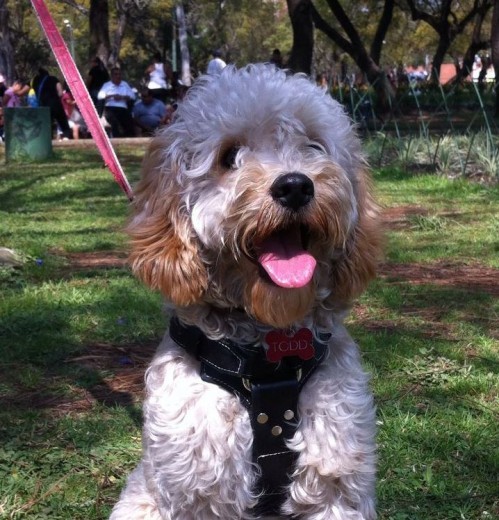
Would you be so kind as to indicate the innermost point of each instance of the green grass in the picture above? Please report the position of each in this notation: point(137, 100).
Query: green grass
point(449, 220)
point(56, 461)
point(74, 340)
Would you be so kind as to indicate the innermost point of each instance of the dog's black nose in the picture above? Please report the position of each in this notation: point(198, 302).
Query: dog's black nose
point(292, 190)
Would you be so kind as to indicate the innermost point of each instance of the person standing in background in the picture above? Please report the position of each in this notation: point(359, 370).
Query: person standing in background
point(276, 58)
point(3, 86)
point(49, 92)
point(216, 64)
point(159, 78)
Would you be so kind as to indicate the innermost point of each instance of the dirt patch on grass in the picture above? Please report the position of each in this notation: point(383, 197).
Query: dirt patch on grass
point(399, 217)
point(105, 374)
point(118, 370)
point(96, 260)
point(474, 278)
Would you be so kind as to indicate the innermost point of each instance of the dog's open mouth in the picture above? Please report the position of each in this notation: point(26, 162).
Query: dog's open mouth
point(285, 260)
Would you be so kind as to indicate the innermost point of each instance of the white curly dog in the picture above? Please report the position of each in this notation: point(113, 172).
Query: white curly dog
point(255, 220)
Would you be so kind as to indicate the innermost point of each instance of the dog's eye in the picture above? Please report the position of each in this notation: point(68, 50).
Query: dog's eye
point(317, 147)
point(228, 159)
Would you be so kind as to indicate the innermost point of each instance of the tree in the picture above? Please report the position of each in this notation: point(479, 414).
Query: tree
point(300, 13)
point(7, 65)
point(351, 42)
point(123, 12)
point(449, 19)
point(476, 44)
point(98, 23)
point(31, 48)
point(246, 31)
point(494, 44)
point(126, 13)
point(185, 60)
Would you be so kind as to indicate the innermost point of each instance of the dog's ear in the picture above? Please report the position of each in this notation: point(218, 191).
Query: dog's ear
point(165, 252)
point(357, 266)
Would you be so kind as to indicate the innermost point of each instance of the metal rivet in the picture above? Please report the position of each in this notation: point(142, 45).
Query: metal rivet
point(276, 431)
point(262, 418)
point(288, 415)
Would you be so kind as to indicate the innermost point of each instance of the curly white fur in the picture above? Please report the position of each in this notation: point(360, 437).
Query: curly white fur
point(204, 208)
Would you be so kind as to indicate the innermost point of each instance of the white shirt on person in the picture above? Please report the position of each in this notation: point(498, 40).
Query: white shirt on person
point(215, 66)
point(157, 77)
point(111, 89)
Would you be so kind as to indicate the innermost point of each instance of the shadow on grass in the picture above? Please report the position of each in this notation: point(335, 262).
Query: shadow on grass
point(103, 192)
point(44, 364)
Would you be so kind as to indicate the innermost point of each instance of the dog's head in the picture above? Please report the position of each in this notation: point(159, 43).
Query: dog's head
point(256, 198)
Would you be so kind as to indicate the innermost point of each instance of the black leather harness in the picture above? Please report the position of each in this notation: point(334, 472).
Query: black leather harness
point(268, 390)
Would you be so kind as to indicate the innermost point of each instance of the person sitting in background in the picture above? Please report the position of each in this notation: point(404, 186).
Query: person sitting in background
point(49, 92)
point(149, 113)
point(117, 94)
point(179, 91)
point(12, 97)
point(75, 119)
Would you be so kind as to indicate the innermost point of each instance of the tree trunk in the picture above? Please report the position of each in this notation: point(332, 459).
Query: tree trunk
point(99, 30)
point(356, 49)
point(7, 66)
point(185, 59)
point(385, 93)
point(383, 26)
point(438, 58)
point(303, 36)
point(494, 44)
point(118, 35)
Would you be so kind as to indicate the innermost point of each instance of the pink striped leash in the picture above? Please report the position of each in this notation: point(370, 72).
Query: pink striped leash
point(81, 95)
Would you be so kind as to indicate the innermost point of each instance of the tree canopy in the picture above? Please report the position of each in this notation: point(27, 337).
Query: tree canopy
point(315, 36)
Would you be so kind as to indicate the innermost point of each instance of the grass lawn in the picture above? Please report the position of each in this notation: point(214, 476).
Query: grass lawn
point(77, 331)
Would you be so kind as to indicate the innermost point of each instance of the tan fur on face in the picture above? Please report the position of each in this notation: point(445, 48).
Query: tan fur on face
point(165, 253)
point(276, 306)
point(357, 265)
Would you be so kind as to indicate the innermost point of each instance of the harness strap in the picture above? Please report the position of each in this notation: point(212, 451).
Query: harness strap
point(274, 419)
point(269, 391)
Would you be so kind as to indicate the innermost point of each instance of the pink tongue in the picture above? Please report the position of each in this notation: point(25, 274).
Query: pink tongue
point(285, 262)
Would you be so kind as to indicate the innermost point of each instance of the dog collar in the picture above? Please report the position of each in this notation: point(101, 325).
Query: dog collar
point(268, 389)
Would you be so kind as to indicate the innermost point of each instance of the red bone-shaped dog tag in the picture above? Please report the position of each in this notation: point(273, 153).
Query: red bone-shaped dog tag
point(279, 345)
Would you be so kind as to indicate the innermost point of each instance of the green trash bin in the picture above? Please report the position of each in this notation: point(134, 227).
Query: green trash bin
point(28, 133)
